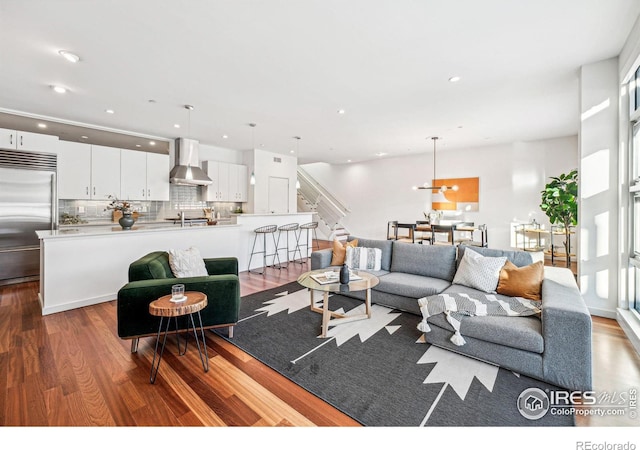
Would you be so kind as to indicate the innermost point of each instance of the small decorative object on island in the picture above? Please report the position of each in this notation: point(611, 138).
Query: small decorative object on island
point(127, 220)
point(344, 274)
point(560, 204)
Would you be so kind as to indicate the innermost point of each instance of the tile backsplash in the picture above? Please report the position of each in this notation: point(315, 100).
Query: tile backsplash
point(182, 198)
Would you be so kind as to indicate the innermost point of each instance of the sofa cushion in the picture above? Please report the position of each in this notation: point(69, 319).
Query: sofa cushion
point(523, 282)
point(524, 333)
point(384, 245)
point(479, 272)
point(410, 285)
point(518, 257)
point(436, 261)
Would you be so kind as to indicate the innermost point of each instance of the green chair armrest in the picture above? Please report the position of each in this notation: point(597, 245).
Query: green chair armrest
point(221, 266)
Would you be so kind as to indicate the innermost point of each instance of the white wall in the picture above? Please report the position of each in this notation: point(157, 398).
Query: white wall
point(598, 211)
point(264, 165)
point(511, 178)
point(213, 153)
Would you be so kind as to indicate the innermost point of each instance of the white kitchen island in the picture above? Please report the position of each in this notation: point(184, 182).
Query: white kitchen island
point(82, 266)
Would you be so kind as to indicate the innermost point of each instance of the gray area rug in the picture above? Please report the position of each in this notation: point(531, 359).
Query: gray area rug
point(379, 371)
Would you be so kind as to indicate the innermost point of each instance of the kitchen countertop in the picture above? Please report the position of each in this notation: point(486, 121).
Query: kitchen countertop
point(70, 231)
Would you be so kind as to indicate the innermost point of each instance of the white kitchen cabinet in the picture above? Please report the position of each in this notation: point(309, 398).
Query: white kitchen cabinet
point(23, 140)
point(218, 190)
point(74, 170)
point(105, 172)
point(158, 169)
point(133, 175)
point(229, 182)
point(237, 183)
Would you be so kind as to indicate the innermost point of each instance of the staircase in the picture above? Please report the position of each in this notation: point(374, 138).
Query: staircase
point(329, 211)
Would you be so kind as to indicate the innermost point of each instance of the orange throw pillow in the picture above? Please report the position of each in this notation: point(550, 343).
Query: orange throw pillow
point(340, 251)
point(521, 281)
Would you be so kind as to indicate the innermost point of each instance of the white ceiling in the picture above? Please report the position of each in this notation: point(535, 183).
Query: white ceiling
point(289, 66)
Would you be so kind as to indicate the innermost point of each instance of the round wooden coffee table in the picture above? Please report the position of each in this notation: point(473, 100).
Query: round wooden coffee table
point(165, 308)
point(362, 281)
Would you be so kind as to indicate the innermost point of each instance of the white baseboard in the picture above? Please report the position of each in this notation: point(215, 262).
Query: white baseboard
point(631, 326)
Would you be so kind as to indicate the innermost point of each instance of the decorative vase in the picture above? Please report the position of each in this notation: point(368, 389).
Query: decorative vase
point(344, 274)
point(126, 221)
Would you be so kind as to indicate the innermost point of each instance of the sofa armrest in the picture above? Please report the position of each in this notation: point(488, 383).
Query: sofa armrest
point(321, 258)
point(134, 319)
point(221, 266)
point(566, 329)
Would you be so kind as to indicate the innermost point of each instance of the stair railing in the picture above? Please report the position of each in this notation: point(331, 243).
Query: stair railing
point(330, 210)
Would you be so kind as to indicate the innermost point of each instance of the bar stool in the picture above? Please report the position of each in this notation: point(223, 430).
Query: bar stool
point(307, 227)
point(264, 231)
point(289, 228)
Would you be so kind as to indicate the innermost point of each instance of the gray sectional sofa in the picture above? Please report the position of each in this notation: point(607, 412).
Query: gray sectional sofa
point(555, 348)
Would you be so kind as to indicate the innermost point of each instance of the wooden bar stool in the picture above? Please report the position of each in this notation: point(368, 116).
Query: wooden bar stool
point(264, 231)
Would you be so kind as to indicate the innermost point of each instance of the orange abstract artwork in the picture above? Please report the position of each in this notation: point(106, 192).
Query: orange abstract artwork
point(466, 198)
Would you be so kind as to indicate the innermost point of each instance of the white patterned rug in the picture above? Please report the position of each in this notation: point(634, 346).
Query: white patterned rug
point(380, 371)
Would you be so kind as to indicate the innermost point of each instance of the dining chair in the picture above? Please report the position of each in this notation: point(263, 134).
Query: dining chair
point(423, 232)
point(440, 230)
point(461, 232)
point(392, 230)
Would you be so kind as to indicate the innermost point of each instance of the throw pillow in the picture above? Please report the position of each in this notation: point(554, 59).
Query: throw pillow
point(187, 263)
point(521, 281)
point(340, 251)
point(479, 272)
point(363, 258)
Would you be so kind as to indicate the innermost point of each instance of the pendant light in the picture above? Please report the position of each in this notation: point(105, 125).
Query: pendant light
point(252, 179)
point(441, 189)
point(297, 138)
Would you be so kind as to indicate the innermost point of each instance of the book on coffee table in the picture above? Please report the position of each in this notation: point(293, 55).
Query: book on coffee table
point(323, 279)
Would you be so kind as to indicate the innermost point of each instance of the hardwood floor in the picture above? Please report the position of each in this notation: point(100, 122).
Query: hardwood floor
point(71, 369)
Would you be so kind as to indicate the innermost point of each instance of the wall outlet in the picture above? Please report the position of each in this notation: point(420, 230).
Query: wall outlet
point(80, 209)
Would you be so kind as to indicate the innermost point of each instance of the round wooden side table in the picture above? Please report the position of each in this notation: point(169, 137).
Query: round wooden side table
point(165, 308)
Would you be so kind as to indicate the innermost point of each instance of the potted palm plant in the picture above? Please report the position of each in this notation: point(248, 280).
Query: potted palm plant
point(560, 203)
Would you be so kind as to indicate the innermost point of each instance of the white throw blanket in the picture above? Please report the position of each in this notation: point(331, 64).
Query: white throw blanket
point(457, 305)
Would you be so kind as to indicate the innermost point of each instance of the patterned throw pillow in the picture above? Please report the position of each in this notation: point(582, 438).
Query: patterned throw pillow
point(363, 258)
point(479, 272)
point(340, 251)
point(187, 263)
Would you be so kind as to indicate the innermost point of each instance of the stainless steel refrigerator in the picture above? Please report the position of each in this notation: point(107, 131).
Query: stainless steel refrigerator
point(28, 202)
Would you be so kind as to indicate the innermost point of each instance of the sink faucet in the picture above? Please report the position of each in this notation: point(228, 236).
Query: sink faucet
point(181, 214)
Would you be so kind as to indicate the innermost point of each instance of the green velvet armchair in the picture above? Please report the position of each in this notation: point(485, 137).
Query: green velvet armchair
point(150, 278)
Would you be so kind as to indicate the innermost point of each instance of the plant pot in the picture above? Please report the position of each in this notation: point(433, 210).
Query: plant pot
point(126, 221)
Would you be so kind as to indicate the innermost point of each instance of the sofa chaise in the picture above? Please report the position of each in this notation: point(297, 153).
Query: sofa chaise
point(554, 346)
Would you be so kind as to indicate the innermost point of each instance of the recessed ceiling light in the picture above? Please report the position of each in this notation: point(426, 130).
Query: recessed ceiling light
point(292, 151)
point(59, 89)
point(176, 125)
point(454, 79)
point(84, 137)
point(341, 111)
point(42, 125)
point(138, 145)
point(109, 111)
point(71, 57)
point(224, 136)
point(152, 142)
point(348, 160)
point(380, 154)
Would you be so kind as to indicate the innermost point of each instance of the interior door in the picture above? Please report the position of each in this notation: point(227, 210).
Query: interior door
point(278, 195)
